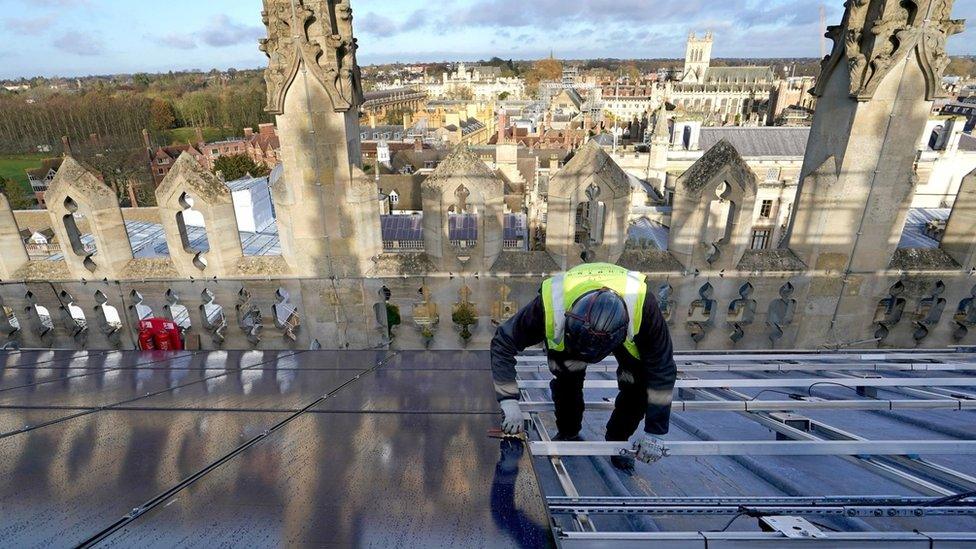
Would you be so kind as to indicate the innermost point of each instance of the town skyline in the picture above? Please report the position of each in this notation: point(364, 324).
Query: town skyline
point(68, 38)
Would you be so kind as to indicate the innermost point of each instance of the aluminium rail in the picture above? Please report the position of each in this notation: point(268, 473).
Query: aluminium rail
point(851, 383)
point(781, 405)
point(872, 454)
point(766, 448)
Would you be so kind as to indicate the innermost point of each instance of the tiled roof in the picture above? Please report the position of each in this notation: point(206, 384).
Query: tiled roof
point(759, 141)
point(46, 166)
point(740, 75)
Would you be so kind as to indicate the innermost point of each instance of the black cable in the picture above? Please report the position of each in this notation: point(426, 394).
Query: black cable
point(729, 524)
point(950, 499)
point(810, 388)
point(760, 393)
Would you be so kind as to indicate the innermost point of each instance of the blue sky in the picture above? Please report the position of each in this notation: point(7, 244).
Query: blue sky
point(80, 37)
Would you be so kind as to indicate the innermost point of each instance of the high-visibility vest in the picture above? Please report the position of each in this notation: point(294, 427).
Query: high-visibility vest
point(562, 291)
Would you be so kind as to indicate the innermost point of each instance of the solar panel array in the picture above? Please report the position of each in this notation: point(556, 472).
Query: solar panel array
point(463, 227)
point(148, 241)
point(402, 228)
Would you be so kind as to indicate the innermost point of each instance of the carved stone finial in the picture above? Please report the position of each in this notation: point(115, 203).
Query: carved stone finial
point(876, 35)
point(319, 36)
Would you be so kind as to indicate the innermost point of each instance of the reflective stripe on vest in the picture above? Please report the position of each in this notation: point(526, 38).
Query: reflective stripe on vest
point(562, 291)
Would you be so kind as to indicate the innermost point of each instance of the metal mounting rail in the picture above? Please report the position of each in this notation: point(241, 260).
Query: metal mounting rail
point(751, 501)
point(862, 507)
point(766, 448)
point(761, 539)
point(784, 367)
point(781, 383)
point(782, 405)
point(799, 357)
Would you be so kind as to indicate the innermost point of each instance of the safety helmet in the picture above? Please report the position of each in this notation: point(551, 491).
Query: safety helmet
point(596, 325)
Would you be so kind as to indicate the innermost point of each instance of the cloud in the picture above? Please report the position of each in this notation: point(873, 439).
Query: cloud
point(222, 31)
point(378, 25)
point(176, 41)
point(79, 43)
point(32, 25)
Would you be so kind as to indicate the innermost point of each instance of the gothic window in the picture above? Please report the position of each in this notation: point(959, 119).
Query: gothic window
point(761, 239)
point(766, 210)
point(582, 216)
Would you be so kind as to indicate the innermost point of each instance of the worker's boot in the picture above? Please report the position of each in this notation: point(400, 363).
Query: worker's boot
point(624, 463)
point(565, 438)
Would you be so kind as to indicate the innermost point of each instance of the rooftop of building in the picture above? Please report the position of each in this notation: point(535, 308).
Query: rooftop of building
point(758, 141)
point(133, 449)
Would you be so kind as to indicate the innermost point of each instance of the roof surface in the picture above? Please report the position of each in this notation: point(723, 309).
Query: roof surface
point(392, 458)
point(759, 141)
point(389, 448)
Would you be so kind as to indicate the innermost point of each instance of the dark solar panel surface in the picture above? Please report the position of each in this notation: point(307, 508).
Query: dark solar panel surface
point(382, 465)
point(403, 227)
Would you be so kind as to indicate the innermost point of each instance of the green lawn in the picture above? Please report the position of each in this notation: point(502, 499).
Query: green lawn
point(14, 166)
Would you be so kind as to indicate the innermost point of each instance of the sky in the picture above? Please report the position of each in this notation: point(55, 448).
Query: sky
point(83, 37)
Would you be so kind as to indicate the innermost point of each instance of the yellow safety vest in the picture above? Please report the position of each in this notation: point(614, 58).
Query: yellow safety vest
point(562, 291)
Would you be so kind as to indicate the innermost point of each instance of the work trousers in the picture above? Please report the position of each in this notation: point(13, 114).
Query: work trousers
point(630, 406)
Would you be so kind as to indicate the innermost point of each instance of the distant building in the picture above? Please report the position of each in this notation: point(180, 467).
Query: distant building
point(479, 83)
point(263, 148)
point(41, 178)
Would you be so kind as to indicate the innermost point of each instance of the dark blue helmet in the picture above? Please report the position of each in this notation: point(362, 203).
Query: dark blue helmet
point(596, 325)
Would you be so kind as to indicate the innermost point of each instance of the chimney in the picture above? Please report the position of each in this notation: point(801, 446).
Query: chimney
point(199, 133)
point(267, 130)
point(145, 139)
point(372, 120)
point(553, 162)
point(66, 145)
point(248, 132)
point(418, 144)
point(502, 125)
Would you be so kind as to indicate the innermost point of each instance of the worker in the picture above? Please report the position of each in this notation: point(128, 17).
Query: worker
point(582, 317)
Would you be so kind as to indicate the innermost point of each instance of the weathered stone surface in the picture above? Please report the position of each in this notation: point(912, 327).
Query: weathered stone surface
point(44, 270)
point(13, 256)
point(262, 266)
point(318, 36)
point(591, 171)
point(770, 260)
point(722, 158)
point(876, 35)
point(650, 261)
point(157, 268)
point(462, 185)
point(923, 260)
point(711, 223)
point(77, 191)
point(535, 263)
point(404, 264)
point(190, 184)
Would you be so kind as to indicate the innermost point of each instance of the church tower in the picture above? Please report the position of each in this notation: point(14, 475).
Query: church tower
point(698, 58)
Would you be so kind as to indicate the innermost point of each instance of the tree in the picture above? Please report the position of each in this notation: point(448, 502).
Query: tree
point(236, 166)
point(543, 70)
point(162, 115)
point(961, 66)
point(18, 197)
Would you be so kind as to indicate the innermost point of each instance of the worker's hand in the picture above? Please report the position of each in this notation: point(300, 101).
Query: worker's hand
point(650, 449)
point(514, 422)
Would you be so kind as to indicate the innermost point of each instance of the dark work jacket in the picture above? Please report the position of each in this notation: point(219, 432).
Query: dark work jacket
point(528, 328)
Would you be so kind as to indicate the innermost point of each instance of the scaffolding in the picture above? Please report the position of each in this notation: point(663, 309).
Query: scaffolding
point(866, 387)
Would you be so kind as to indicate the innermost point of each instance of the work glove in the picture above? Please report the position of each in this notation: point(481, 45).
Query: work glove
point(514, 422)
point(650, 449)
